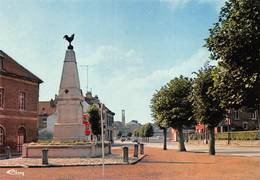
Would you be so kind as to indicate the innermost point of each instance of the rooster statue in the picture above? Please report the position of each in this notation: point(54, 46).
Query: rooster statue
point(69, 39)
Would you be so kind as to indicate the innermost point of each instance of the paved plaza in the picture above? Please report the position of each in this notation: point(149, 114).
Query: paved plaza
point(158, 164)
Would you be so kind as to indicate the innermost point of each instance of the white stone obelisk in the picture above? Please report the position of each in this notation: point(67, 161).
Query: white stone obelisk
point(69, 124)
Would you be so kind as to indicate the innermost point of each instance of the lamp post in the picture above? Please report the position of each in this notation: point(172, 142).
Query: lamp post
point(102, 141)
point(229, 122)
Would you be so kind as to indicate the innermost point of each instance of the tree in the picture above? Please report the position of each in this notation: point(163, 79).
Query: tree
point(129, 134)
point(148, 130)
point(119, 134)
point(173, 107)
point(158, 109)
point(234, 41)
point(136, 133)
point(206, 103)
point(95, 120)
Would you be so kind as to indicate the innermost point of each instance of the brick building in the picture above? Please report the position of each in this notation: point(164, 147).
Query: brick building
point(19, 94)
point(45, 109)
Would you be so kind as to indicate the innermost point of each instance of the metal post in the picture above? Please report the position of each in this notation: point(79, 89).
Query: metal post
point(45, 157)
point(102, 139)
point(136, 150)
point(109, 146)
point(125, 154)
point(141, 148)
point(229, 123)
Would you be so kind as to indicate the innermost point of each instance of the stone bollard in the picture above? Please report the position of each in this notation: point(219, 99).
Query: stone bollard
point(109, 148)
point(8, 152)
point(136, 150)
point(141, 148)
point(45, 157)
point(125, 154)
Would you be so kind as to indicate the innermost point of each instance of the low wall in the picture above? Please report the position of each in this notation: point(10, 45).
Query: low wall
point(64, 150)
point(232, 142)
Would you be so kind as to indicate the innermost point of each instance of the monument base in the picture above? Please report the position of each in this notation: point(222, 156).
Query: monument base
point(65, 150)
point(69, 132)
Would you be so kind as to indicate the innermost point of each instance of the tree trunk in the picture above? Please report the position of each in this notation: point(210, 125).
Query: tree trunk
point(164, 138)
point(181, 140)
point(212, 141)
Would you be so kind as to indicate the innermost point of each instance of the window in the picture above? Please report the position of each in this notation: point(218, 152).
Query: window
point(1, 63)
point(245, 125)
point(236, 115)
point(253, 115)
point(2, 136)
point(21, 100)
point(1, 97)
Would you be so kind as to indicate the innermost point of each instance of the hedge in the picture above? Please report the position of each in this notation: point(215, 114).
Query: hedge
point(239, 135)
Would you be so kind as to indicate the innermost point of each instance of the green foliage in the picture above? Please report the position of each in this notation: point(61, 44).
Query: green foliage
point(234, 41)
point(205, 101)
point(119, 134)
point(170, 106)
point(136, 133)
point(95, 119)
point(148, 130)
point(239, 135)
point(144, 131)
point(129, 134)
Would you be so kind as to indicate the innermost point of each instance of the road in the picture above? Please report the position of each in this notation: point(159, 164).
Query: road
point(253, 151)
point(158, 164)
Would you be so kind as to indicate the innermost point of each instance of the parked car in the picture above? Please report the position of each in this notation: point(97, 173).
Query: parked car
point(134, 139)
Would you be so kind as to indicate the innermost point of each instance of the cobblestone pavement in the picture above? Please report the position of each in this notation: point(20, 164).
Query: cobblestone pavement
point(159, 164)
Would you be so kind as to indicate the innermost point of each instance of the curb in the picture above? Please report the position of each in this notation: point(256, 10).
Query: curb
point(72, 165)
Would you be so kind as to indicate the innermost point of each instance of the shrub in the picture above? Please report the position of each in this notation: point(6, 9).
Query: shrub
point(239, 135)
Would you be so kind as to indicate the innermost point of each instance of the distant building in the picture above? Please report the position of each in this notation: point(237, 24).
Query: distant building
point(242, 120)
point(187, 131)
point(108, 124)
point(108, 116)
point(19, 94)
point(132, 125)
point(46, 108)
point(238, 121)
point(118, 127)
point(46, 119)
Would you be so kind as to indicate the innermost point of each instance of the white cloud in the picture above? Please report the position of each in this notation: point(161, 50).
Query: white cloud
point(114, 55)
point(132, 90)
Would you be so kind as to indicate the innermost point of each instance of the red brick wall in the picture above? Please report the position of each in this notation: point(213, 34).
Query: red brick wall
point(11, 118)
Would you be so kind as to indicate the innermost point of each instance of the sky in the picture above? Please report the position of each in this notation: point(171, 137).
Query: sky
point(132, 47)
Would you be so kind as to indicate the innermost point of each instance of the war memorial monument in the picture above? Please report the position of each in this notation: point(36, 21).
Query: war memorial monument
point(69, 138)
